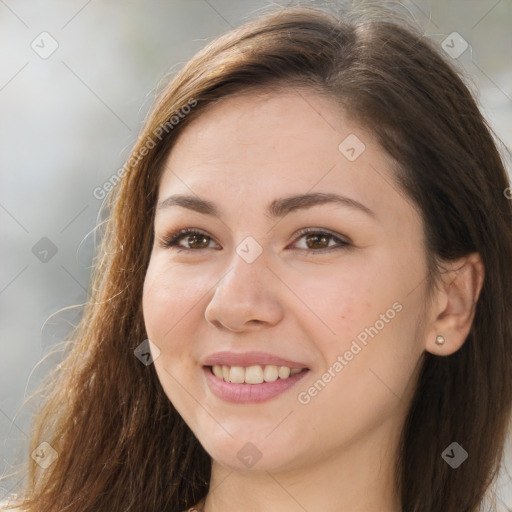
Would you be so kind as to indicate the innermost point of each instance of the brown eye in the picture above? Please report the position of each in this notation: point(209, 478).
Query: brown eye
point(320, 241)
point(198, 241)
point(194, 240)
point(317, 241)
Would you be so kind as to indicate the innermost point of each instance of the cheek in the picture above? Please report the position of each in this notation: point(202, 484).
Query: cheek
point(341, 302)
point(364, 382)
point(368, 314)
point(171, 297)
point(171, 305)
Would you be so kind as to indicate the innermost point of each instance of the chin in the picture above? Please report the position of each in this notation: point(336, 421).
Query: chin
point(247, 453)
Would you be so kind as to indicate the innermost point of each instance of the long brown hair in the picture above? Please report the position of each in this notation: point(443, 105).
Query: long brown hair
point(121, 444)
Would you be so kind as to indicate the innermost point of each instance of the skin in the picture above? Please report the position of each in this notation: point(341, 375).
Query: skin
point(243, 153)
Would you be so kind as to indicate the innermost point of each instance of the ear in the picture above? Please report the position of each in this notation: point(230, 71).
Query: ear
point(453, 311)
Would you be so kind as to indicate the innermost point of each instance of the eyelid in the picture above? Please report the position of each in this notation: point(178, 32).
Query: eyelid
point(345, 240)
point(171, 241)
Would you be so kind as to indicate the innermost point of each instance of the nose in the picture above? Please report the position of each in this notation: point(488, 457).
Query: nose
point(246, 297)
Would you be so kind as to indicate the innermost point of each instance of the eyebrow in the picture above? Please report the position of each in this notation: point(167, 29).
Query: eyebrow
point(277, 208)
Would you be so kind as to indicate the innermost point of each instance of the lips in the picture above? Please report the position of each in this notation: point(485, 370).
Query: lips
point(249, 359)
point(250, 393)
point(243, 392)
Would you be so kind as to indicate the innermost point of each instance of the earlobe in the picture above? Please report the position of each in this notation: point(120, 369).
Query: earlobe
point(440, 339)
point(461, 286)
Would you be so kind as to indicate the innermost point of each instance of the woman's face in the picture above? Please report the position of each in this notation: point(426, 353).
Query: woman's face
point(343, 301)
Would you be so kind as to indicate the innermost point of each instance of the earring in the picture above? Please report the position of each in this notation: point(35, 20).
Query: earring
point(440, 340)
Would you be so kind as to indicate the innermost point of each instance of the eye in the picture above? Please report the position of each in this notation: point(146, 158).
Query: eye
point(320, 240)
point(317, 240)
point(193, 236)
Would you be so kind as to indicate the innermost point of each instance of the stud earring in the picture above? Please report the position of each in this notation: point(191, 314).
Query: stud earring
point(440, 340)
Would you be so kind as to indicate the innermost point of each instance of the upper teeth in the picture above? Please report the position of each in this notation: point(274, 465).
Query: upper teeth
point(253, 374)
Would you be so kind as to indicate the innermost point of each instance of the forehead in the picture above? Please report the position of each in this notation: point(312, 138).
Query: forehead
point(267, 144)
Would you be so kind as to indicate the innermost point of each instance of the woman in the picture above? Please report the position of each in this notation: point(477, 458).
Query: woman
point(303, 296)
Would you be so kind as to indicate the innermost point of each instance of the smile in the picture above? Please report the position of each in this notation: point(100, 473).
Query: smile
point(251, 384)
point(255, 374)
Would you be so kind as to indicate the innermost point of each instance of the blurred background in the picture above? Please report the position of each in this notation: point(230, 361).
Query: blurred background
point(77, 78)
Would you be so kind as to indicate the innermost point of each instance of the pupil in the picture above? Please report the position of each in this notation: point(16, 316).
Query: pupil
point(195, 238)
point(317, 238)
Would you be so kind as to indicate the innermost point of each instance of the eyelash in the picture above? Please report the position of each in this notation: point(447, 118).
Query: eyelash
point(171, 241)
